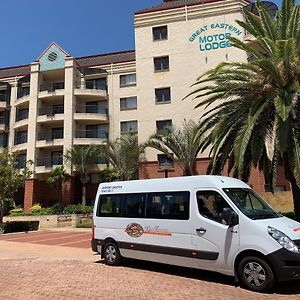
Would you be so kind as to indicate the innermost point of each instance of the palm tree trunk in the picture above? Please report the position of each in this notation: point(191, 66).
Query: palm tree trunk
point(1, 211)
point(296, 195)
point(83, 194)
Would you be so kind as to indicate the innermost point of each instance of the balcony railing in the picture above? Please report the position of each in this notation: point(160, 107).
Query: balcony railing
point(52, 87)
point(22, 115)
point(3, 97)
point(20, 139)
point(51, 111)
point(49, 161)
point(2, 120)
point(91, 109)
point(91, 134)
point(22, 92)
point(50, 136)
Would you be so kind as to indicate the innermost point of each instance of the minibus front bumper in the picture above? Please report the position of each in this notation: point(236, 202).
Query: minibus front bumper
point(286, 264)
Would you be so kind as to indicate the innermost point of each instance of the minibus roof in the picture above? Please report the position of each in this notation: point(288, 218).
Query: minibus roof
point(172, 184)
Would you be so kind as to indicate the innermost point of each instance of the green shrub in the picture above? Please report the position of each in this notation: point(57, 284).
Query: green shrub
point(8, 205)
point(19, 226)
point(43, 211)
point(36, 208)
point(289, 214)
point(57, 209)
point(18, 211)
point(78, 209)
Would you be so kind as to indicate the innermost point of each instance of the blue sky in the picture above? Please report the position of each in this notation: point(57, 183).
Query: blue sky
point(81, 27)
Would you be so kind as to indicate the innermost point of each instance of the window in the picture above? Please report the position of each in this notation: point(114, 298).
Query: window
point(20, 137)
point(211, 204)
point(161, 63)
point(56, 158)
point(109, 206)
point(96, 84)
point(168, 205)
point(160, 33)
point(129, 126)
point(162, 126)
point(97, 131)
point(128, 103)
point(57, 133)
point(163, 205)
point(21, 160)
point(164, 161)
point(163, 95)
point(3, 140)
point(134, 205)
point(127, 80)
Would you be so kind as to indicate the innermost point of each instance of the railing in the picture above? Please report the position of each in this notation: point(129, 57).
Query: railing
point(52, 87)
point(22, 92)
point(91, 109)
point(50, 136)
point(20, 139)
point(21, 163)
point(49, 161)
point(2, 120)
point(91, 134)
point(22, 115)
point(3, 97)
point(51, 111)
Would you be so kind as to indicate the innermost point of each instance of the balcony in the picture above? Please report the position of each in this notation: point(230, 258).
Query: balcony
point(3, 126)
point(92, 90)
point(21, 139)
point(22, 115)
point(46, 163)
point(86, 137)
point(52, 90)
point(23, 92)
point(50, 139)
point(54, 113)
point(91, 112)
point(3, 101)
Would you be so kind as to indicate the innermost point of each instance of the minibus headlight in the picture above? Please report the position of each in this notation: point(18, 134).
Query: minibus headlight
point(283, 239)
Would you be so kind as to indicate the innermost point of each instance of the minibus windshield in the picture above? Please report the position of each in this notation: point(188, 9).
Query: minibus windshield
point(250, 203)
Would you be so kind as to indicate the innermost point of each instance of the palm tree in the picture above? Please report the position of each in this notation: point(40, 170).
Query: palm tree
point(181, 145)
point(254, 120)
point(82, 158)
point(57, 177)
point(124, 154)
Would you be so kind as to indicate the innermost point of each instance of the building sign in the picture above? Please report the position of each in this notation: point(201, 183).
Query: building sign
point(214, 36)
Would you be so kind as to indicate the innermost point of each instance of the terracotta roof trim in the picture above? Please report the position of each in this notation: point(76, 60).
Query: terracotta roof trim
point(105, 54)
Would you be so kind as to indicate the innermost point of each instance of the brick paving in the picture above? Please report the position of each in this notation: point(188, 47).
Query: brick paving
point(35, 271)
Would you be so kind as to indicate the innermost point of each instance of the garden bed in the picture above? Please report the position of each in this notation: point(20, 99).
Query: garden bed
point(19, 226)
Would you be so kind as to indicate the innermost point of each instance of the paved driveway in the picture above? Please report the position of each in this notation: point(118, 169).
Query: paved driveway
point(30, 270)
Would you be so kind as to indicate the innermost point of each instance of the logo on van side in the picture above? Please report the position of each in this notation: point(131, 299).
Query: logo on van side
point(134, 230)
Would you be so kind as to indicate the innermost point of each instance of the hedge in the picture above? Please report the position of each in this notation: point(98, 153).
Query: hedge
point(19, 226)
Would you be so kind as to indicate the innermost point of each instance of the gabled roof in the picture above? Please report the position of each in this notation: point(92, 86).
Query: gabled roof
point(53, 43)
point(172, 4)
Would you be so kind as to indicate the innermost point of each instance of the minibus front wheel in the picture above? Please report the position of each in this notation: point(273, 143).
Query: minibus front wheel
point(112, 256)
point(255, 274)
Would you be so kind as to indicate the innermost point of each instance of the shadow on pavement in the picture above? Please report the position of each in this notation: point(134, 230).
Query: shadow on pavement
point(283, 288)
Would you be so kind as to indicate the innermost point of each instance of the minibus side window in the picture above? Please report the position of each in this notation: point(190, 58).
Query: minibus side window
point(168, 205)
point(134, 205)
point(109, 206)
point(211, 205)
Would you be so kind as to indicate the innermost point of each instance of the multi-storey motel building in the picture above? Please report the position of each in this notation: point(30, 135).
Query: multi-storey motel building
point(59, 101)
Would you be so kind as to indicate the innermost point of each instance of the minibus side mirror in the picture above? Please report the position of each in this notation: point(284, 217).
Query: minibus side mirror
point(229, 217)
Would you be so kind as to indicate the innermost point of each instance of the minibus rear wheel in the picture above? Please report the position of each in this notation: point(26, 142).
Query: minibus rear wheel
point(112, 255)
point(256, 274)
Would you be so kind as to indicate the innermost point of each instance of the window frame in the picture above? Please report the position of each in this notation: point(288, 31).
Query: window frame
point(127, 84)
point(162, 101)
point(159, 61)
point(128, 131)
point(161, 37)
point(125, 99)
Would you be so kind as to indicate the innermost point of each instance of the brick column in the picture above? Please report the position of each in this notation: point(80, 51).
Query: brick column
point(68, 189)
point(30, 193)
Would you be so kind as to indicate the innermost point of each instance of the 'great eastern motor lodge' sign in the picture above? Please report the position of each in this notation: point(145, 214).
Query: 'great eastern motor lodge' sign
point(214, 36)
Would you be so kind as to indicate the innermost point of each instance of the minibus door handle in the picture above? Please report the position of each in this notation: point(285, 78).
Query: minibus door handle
point(201, 230)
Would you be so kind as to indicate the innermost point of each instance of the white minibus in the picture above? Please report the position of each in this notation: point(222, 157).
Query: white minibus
point(207, 222)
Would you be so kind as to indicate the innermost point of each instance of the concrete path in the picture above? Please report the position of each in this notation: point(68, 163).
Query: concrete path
point(31, 270)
